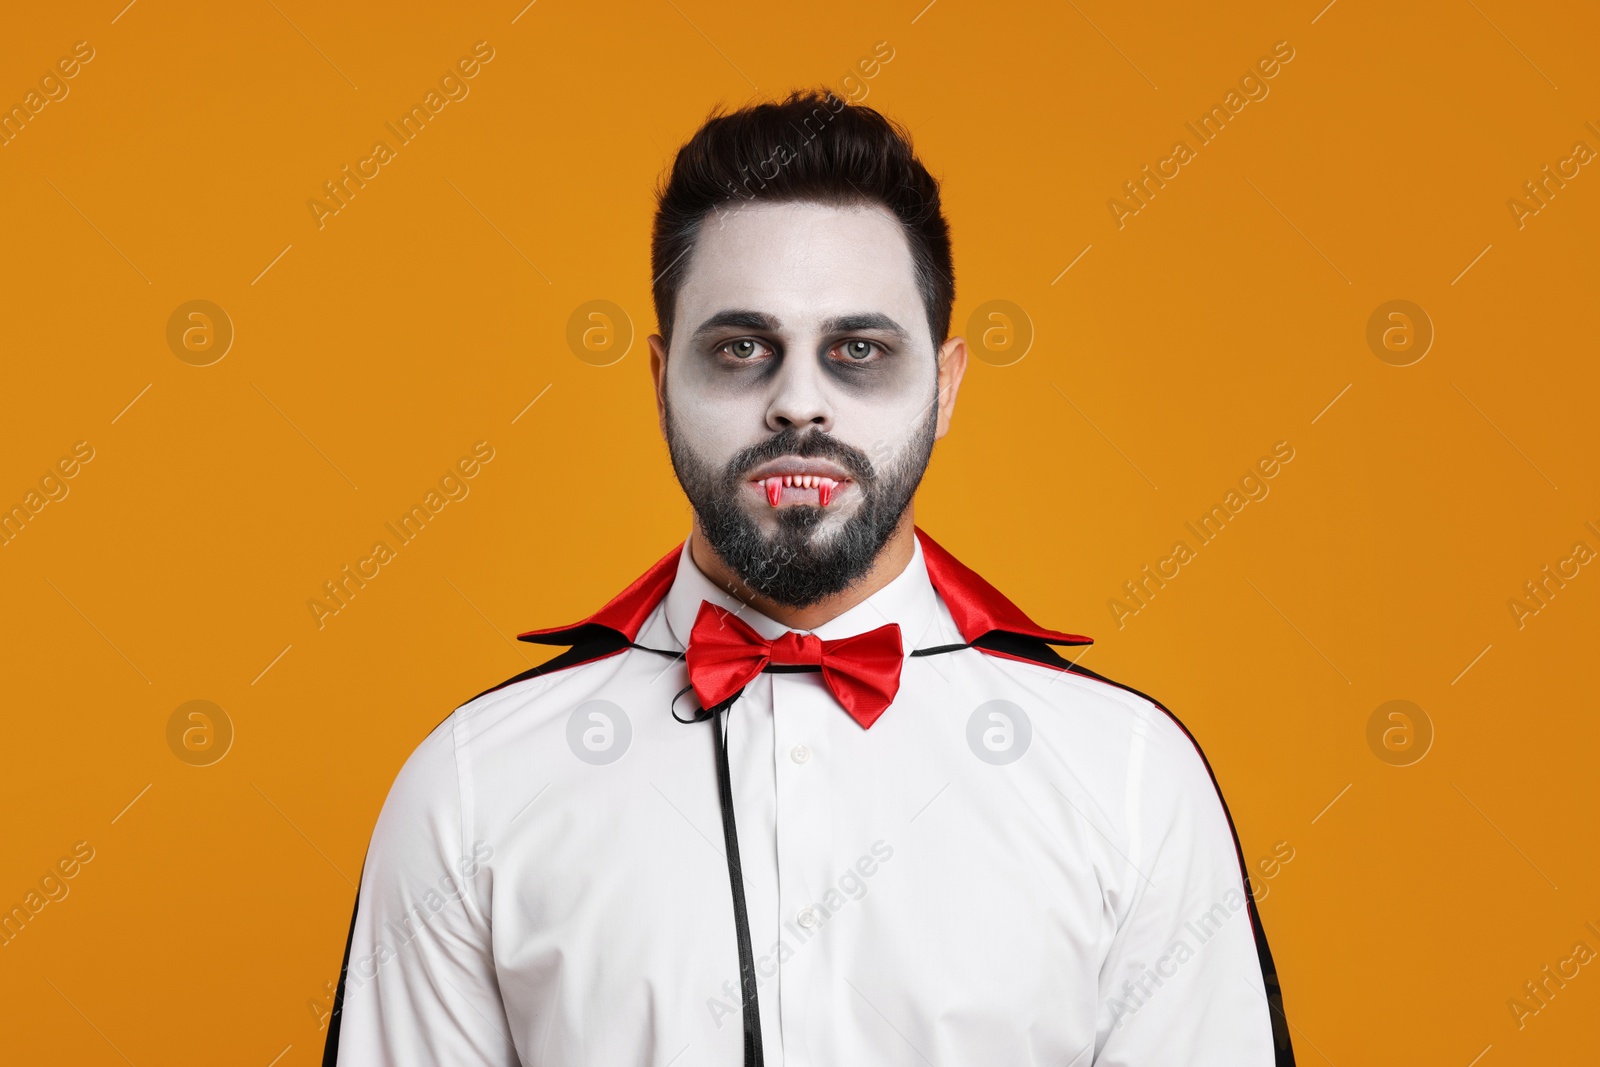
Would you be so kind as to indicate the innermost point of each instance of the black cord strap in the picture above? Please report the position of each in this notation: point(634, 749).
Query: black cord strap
point(754, 1054)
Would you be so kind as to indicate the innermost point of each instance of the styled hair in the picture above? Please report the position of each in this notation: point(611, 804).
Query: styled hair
point(812, 146)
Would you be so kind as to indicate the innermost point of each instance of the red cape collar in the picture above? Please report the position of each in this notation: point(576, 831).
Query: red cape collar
point(977, 607)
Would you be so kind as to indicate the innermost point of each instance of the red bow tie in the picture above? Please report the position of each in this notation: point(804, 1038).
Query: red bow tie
point(862, 672)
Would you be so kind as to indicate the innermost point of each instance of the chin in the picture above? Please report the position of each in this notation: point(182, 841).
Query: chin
point(803, 520)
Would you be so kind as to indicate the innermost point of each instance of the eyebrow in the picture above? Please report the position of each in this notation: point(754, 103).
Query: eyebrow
point(870, 320)
point(746, 320)
point(760, 320)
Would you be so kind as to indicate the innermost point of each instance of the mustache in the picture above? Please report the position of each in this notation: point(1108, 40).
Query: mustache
point(792, 442)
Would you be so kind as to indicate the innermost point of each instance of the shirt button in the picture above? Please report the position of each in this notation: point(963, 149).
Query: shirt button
point(800, 753)
point(807, 917)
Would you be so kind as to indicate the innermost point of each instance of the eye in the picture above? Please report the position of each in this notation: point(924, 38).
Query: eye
point(859, 351)
point(743, 349)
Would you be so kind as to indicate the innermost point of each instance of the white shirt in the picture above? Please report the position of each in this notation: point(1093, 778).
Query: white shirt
point(1016, 864)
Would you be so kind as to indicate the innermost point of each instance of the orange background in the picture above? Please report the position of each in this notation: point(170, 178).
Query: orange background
point(1229, 314)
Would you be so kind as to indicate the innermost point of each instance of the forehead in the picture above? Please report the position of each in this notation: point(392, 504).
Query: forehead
point(801, 262)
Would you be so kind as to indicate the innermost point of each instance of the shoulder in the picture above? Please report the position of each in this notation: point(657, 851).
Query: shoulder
point(1156, 785)
point(1117, 725)
point(541, 696)
point(1170, 744)
point(1174, 805)
point(482, 756)
point(520, 717)
point(1172, 754)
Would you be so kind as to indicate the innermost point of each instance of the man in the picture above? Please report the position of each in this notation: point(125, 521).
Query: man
point(809, 791)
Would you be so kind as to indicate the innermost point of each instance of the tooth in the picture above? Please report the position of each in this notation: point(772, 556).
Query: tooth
point(774, 490)
point(810, 481)
point(825, 491)
point(788, 479)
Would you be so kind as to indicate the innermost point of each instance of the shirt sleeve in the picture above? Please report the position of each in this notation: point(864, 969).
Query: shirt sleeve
point(418, 986)
point(1182, 985)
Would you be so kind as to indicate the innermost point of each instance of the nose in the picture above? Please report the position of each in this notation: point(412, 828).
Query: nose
point(799, 397)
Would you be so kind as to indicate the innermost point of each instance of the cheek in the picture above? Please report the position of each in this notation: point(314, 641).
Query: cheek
point(716, 423)
point(711, 440)
point(883, 427)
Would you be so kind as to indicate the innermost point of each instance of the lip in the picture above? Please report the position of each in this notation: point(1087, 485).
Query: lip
point(798, 465)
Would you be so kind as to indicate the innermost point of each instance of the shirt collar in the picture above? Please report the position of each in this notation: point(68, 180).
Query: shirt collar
point(978, 609)
point(908, 599)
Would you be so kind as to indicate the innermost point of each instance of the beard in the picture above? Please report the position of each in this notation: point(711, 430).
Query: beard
point(798, 566)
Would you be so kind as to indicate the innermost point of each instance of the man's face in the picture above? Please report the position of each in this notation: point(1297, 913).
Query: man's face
point(800, 399)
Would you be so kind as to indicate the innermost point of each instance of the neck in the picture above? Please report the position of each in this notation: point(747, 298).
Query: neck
point(891, 561)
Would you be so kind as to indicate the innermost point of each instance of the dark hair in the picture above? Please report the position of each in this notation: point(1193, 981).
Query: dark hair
point(812, 146)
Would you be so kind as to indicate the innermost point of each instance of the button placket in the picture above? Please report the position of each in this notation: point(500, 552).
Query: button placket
point(802, 707)
point(753, 735)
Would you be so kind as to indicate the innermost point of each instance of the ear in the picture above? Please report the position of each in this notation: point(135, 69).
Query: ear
point(952, 365)
point(658, 372)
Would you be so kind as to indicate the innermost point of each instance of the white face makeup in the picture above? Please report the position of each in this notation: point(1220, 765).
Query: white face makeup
point(801, 317)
